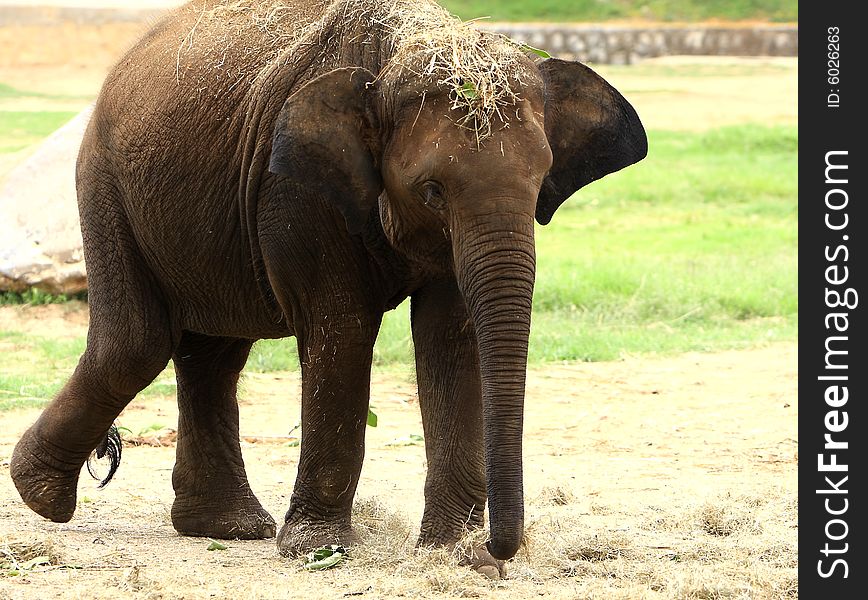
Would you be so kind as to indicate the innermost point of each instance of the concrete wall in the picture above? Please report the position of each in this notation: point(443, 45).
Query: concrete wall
point(45, 16)
point(604, 44)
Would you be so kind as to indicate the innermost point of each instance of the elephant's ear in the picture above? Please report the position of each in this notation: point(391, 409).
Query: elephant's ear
point(592, 131)
point(326, 139)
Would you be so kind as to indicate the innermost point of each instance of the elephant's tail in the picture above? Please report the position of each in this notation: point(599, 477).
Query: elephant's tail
point(110, 446)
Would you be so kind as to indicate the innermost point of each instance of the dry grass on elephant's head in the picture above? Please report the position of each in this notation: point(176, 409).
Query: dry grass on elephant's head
point(480, 69)
point(419, 39)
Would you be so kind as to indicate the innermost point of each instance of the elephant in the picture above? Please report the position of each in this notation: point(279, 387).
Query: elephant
point(261, 170)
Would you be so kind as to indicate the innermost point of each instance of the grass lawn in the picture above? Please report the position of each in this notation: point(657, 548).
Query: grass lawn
point(601, 10)
point(23, 128)
point(694, 248)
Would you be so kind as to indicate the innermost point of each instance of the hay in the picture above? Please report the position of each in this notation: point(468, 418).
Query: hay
point(266, 17)
point(555, 496)
point(15, 551)
point(382, 531)
point(479, 70)
point(567, 547)
point(727, 519)
point(252, 28)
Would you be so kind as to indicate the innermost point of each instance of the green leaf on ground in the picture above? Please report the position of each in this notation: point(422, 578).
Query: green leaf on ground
point(325, 558)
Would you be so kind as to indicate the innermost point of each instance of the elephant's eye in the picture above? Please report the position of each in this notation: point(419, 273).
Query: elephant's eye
point(432, 195)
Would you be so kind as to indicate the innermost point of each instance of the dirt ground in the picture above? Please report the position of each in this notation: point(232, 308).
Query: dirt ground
point(653, 478)
point(645, 478)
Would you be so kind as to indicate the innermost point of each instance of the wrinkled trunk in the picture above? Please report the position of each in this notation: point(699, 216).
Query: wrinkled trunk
point(495, 264)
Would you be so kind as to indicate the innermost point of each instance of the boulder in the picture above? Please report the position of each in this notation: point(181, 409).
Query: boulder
point(40, 237)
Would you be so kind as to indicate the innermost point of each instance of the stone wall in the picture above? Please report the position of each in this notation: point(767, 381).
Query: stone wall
point(602, 44)
point(605, 44)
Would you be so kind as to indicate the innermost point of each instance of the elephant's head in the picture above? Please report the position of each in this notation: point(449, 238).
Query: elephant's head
point(444, 196)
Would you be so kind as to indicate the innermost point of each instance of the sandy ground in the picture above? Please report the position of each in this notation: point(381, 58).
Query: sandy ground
point(645, 478)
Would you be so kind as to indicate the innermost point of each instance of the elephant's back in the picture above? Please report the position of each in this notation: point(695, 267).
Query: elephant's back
point(183, 99)
point(169, 132)
point(208, 56)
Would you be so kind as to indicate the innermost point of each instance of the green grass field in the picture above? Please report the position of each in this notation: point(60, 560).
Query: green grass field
point(23, 128)
point(602, 10)
point(36, 368)
point(694, 248)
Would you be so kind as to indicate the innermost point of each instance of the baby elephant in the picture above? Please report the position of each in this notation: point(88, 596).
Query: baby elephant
point(267, 169)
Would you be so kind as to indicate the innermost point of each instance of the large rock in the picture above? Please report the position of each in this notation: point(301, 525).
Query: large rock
point(40, 238)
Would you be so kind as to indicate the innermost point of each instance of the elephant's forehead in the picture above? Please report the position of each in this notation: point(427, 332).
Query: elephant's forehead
point(431, 143)
point(437, 122)
point(479, 70)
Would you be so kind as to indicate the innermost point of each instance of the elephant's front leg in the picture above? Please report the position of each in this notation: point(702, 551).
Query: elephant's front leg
point(450, 396)
point(336, 359)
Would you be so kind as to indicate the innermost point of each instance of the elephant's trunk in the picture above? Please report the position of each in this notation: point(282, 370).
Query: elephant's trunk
point(495, 265)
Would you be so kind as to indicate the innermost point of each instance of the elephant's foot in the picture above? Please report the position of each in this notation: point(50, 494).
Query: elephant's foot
point(222, 517)
point(48, 490)
point(300, 535)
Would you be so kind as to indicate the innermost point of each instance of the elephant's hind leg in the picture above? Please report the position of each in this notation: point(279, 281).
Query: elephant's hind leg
point(130, 340)
point(49, 456)
point(212, 495)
